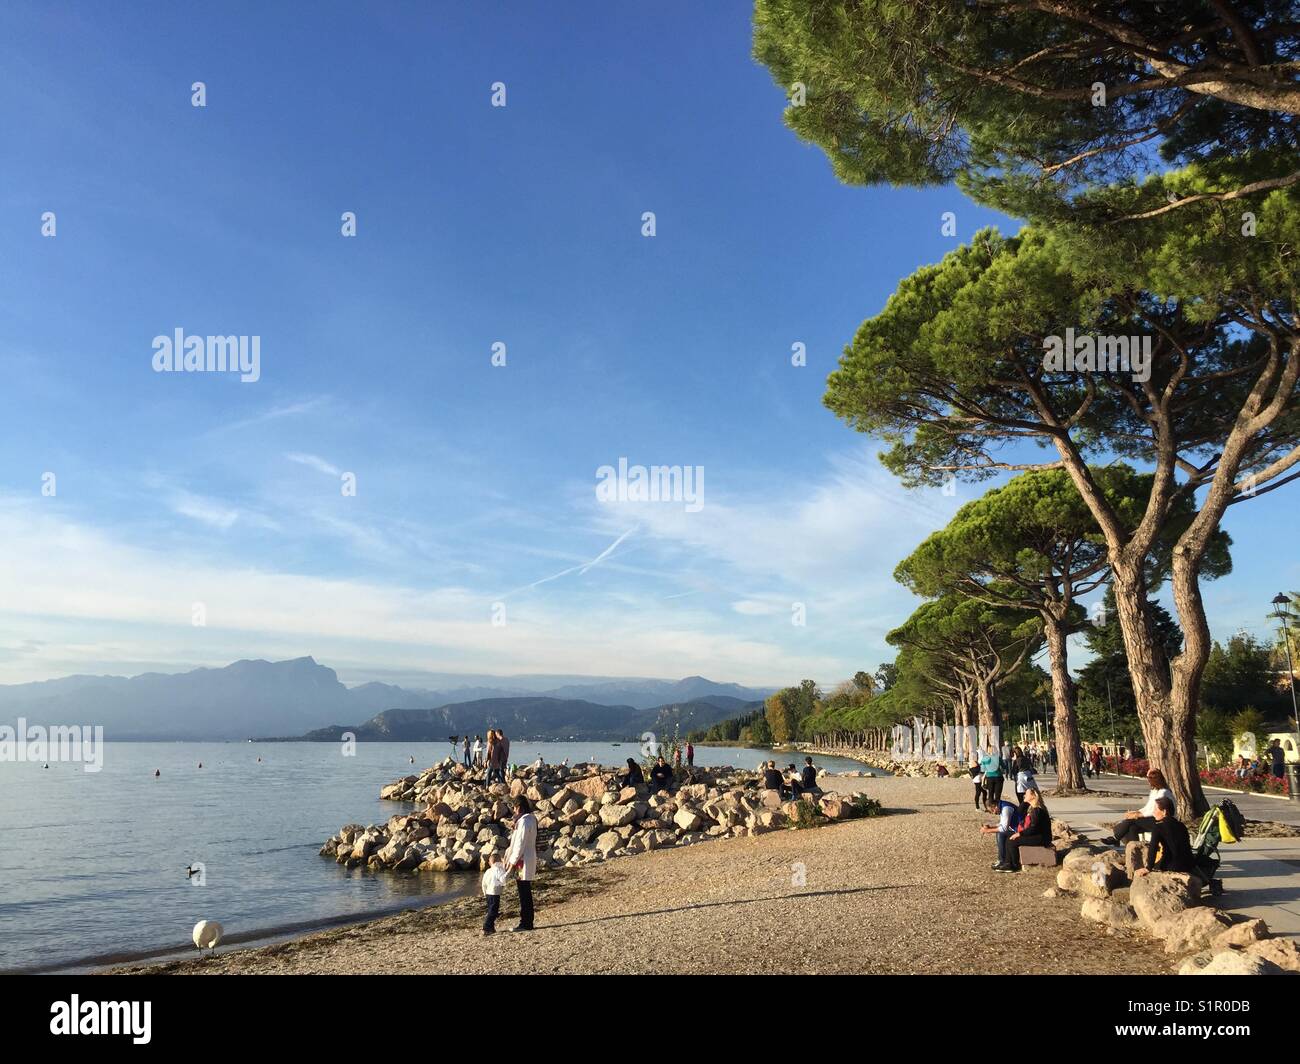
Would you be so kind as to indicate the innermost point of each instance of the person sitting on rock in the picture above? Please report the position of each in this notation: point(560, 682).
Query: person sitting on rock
point(809, 777)
point(1139, 821)
point(1008, 815)
point(772, 778)
point(1035, 830)
point(791, 783)
point(1170, 838)
point(632, 776)
point(661, 776)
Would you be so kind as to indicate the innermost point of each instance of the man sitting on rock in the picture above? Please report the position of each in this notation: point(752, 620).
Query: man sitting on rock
point(809, 777)
point(1170, 838)
point(1035, 830)
point(661, 776)
point(772, 780)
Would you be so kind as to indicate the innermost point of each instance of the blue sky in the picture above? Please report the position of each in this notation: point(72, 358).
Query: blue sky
point(475, 225)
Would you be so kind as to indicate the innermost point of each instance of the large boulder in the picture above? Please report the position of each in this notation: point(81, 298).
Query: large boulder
point(1114, 911)
point(1190, 930)
point(616, 816)
point(833, 808)
point(1135, 857)
point(1238, 935)
point(771, 799)
point(1160, 895)
point(1229, 962)
point(687, 819)
point(592, 786)
point(1282, 952)
point(608, 842)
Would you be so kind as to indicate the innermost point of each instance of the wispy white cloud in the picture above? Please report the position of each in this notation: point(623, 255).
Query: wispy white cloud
point(313, 461)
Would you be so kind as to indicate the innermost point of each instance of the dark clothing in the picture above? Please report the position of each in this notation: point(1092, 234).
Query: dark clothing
point(809, 778)
point(493, 911)
point(1170, 837)
point(1279, 761)
point(1129, 830)
point(632, 776)
point(1036, 827)
point(525, 904)
point(662, 777)
point(1035, 830)
point(690, 755)
point(993, 787)
point(772, 780)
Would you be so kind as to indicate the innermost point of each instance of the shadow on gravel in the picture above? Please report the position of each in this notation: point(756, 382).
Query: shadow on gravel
point(716, 904)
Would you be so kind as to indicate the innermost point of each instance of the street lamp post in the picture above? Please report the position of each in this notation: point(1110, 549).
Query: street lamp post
point(1283, 614)
point(1106, 673)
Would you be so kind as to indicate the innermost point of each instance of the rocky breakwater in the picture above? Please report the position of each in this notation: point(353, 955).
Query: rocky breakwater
point(1170, 906)
point(583, 815)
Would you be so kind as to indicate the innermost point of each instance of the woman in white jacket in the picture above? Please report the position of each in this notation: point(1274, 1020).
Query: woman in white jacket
point(1137, 822)
point(522, 857)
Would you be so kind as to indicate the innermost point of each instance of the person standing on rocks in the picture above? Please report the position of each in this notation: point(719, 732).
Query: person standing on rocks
point(478, 752)
point(503, 749)
point(690, 755)
point(466, 757)
point(522, 857)
point(490, 778)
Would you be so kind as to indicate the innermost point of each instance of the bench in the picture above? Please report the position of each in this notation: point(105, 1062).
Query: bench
point(1038, 856)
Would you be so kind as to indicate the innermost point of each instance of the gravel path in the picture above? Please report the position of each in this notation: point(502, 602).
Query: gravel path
point(909, 892)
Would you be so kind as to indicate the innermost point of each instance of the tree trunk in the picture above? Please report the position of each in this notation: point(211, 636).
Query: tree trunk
point(987, 695)
point(1069, 776)
point(1168, 723)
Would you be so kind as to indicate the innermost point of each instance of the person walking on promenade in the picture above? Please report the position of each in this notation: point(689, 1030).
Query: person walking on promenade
point(522, 857)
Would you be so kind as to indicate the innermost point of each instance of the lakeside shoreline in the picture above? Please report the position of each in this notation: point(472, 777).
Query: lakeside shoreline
point(737, 906)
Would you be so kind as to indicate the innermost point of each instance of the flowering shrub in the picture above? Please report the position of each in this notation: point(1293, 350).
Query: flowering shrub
point(1227, 777)
point(1219, 777)
point(1130, 766)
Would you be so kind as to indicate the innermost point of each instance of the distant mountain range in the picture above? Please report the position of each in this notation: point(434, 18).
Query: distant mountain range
point(257, 699)
point(533, 717)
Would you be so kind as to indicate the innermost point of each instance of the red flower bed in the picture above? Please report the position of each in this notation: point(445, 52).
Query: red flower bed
point(1227, 777)
point(1218, 777)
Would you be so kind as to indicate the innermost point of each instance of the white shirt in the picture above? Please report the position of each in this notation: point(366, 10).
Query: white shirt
point(494, 879)
point(1026, 781)
point(478, 748)
point(1150, 808)
point(523, 846)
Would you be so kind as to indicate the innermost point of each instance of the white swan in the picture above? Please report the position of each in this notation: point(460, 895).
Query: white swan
point(207, 934)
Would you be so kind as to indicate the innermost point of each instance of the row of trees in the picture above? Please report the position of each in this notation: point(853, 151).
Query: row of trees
point(1152, 149)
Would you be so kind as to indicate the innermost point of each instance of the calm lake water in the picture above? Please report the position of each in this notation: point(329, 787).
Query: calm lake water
point(93, 866)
